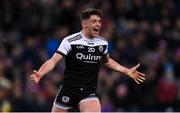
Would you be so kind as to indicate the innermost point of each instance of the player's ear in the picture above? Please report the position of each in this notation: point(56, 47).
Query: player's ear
point(84, 23)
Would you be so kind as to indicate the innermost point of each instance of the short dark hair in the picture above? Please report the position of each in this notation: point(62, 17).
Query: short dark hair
point(86, 13)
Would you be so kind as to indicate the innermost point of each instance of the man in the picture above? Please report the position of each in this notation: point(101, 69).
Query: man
point(84, 52)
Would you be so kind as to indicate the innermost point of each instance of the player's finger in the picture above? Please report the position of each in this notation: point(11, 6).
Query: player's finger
point(140, 80)
point(36, 81)
point(32, 76)
point(32, 79)
point(34, 71)
point(136, 81)
point(143, 78)
point(142, 74)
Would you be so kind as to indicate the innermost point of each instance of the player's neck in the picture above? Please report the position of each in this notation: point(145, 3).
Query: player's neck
point(86, 35)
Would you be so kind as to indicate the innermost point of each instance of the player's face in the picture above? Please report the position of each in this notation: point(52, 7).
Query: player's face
point(93, 26)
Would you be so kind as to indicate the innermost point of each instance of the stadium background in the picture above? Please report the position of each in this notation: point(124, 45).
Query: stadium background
point(145, 31)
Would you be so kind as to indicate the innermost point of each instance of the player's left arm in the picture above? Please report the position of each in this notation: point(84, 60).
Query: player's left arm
point(137, 76)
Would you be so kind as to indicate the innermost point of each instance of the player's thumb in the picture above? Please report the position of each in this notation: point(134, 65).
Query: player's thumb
point(135, 67)
point(34, 71)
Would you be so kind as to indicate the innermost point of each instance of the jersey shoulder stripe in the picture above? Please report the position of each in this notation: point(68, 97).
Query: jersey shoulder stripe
point(75, 38)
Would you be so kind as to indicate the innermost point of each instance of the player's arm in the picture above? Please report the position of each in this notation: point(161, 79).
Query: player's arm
point(132, 72)
point(46, 67)
point(62, 50)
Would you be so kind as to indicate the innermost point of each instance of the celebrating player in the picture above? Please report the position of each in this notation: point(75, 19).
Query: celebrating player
point(84, 52)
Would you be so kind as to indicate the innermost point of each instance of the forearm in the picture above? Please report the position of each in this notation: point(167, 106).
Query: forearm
point(117, 67)
point(132, 72)
point(46, 67)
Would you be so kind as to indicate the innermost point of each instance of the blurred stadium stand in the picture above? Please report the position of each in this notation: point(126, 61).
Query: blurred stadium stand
point(145, 31)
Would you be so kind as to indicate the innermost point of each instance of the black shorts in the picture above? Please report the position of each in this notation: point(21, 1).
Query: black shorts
point(70, 97)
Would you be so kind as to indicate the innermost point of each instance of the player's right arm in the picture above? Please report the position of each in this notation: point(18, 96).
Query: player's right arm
point(46, 67)
point(62, 51)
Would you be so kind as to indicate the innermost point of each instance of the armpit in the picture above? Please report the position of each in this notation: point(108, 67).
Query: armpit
point(104, 59)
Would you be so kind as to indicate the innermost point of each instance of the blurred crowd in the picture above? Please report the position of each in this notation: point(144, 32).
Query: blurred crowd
point(145, 31)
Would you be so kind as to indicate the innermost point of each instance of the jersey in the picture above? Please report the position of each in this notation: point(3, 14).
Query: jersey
point(82, 59)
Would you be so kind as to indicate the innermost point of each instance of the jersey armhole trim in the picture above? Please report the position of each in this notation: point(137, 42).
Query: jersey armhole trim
point(106, 54)
point(59, 52)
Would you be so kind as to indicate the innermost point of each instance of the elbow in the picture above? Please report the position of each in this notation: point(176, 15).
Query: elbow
point(108, 64)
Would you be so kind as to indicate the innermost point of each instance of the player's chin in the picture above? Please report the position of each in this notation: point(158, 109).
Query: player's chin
point(95, 34)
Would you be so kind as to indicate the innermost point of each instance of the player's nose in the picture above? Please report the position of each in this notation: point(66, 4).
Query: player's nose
point(98, 24)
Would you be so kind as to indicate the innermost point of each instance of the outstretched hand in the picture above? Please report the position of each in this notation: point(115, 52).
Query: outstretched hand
point(35, 77)
point(137, 76)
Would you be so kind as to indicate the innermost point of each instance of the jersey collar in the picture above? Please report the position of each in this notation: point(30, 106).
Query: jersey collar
point(84, 37)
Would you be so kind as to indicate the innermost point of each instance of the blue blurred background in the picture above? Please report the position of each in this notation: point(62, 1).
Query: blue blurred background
point(145, 31)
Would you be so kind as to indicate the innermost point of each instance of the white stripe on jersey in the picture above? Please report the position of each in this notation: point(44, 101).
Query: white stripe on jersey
point(80, 39)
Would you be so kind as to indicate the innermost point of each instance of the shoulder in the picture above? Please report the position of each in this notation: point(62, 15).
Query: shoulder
point(73, 37)
point(102, 40)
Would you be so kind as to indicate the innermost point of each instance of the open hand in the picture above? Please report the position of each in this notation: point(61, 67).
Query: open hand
point(35, 77)
point(136, 75)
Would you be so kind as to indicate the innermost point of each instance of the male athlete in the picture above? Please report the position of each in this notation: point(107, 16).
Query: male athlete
point(84, 52)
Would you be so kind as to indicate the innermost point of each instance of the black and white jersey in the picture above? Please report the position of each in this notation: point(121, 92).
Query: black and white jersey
point(82, 59)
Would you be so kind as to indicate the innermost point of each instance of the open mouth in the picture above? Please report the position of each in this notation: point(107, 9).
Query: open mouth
point(96, 30)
